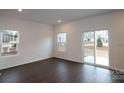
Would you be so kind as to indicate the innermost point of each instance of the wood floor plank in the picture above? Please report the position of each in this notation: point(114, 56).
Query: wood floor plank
point(56, 70)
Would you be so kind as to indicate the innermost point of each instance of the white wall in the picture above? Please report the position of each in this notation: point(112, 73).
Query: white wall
point(113, 22)
point(36, 41)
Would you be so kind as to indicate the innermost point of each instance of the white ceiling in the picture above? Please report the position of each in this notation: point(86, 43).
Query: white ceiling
point(50, 16)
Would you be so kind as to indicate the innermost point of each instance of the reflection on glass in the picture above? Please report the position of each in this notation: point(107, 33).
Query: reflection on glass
point(89, 47)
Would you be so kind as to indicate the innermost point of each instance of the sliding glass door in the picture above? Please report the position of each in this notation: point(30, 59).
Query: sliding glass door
point(89, 47)
point(96, 47)
point(102, 47)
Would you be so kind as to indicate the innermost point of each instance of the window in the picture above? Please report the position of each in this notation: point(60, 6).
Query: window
point(61, 41)
point(8, 42)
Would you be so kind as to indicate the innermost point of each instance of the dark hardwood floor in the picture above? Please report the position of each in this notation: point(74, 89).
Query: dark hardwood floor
point(56, 70)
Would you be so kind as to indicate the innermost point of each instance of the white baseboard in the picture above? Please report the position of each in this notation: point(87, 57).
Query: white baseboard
point(69, 60)
point(23, 63)
point(107, 67)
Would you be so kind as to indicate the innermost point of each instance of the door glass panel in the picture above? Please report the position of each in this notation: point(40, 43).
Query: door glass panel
point(89, 47)
point(102, 47)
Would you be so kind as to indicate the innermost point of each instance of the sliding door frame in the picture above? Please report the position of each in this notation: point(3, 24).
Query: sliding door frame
point(109, 49)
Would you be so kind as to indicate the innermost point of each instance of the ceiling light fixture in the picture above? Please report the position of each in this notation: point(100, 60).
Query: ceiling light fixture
point(59, 21)
point(20, 10)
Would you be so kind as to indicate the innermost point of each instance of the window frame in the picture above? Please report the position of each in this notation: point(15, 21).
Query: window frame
point(1, 43)
point(58, 49)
